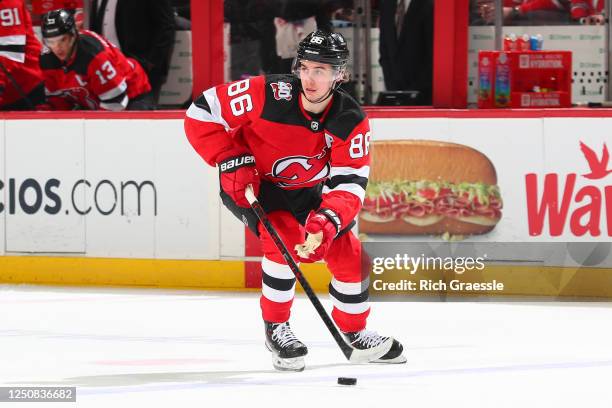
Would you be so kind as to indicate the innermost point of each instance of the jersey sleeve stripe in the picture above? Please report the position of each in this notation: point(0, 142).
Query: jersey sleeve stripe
point(348, 179)
point(363, 171)
point(13, 40)
point(354, 189)
point(115, 106)
point(113, 93)
point(116, 99)
point(214, 115)
point(13, 56)
point(13, 48)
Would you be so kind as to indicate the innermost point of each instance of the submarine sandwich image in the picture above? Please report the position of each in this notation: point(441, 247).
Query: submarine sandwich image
point(422, 187)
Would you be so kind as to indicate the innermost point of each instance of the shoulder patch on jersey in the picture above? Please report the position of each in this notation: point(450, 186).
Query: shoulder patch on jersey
point(282, 90)
point(344, 115)
point(280, 105)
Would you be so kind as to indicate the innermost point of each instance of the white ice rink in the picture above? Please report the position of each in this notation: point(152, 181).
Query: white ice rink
point(144, 348)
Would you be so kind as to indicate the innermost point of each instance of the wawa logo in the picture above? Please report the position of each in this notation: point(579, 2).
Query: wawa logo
point(282, 90)
point(587, 217)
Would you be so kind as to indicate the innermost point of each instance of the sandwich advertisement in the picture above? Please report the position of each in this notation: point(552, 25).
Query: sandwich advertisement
point(440, 188)
point(521, 207)
point(486, 187)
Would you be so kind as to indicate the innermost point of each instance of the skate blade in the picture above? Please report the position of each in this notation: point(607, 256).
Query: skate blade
point(397, 360)
point(288, 364)
point(371, 354)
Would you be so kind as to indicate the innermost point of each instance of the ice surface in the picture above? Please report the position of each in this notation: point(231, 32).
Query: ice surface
point(146, 347)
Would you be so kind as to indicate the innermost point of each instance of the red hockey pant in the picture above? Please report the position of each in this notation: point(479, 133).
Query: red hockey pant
point(348, 289)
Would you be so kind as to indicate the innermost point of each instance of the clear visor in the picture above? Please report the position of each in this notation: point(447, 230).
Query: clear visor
point(317, 71)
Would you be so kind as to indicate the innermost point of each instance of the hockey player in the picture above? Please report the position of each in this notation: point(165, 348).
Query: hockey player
point(21, 81)
point(84, 71)
point(302, 143)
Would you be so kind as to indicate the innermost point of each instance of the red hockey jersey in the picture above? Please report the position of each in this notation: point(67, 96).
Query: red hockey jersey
point(98, 76)
point(292, 148)
point(19, 52)
point(577, 8)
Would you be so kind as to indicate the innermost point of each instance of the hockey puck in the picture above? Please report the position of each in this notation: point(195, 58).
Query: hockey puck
point(347, 381)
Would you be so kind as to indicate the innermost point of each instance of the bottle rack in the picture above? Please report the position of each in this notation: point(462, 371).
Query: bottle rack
point(524, 79)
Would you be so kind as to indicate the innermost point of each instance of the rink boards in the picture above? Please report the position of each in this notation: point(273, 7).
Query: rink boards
point(122, 199)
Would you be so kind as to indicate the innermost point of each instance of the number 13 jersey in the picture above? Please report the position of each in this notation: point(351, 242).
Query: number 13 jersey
point(98, 76)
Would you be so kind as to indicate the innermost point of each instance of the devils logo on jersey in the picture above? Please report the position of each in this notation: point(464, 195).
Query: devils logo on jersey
point(79, 95)
point(282, 90)
point(298, 170)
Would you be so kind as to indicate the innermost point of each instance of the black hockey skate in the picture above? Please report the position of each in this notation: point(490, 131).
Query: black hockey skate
point(365, 339)
point(287, 351)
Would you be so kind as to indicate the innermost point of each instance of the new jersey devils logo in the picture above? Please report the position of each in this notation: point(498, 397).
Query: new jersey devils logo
point(78, 95)
point(297, 170)
point(282, 90)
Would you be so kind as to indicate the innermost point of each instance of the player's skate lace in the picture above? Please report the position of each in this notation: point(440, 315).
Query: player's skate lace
point(283, 335)
point(368, 339)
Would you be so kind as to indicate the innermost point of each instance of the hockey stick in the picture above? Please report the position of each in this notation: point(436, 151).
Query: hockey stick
point(352, 354)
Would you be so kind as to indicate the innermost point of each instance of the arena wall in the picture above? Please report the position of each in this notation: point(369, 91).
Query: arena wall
point(122, 199)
